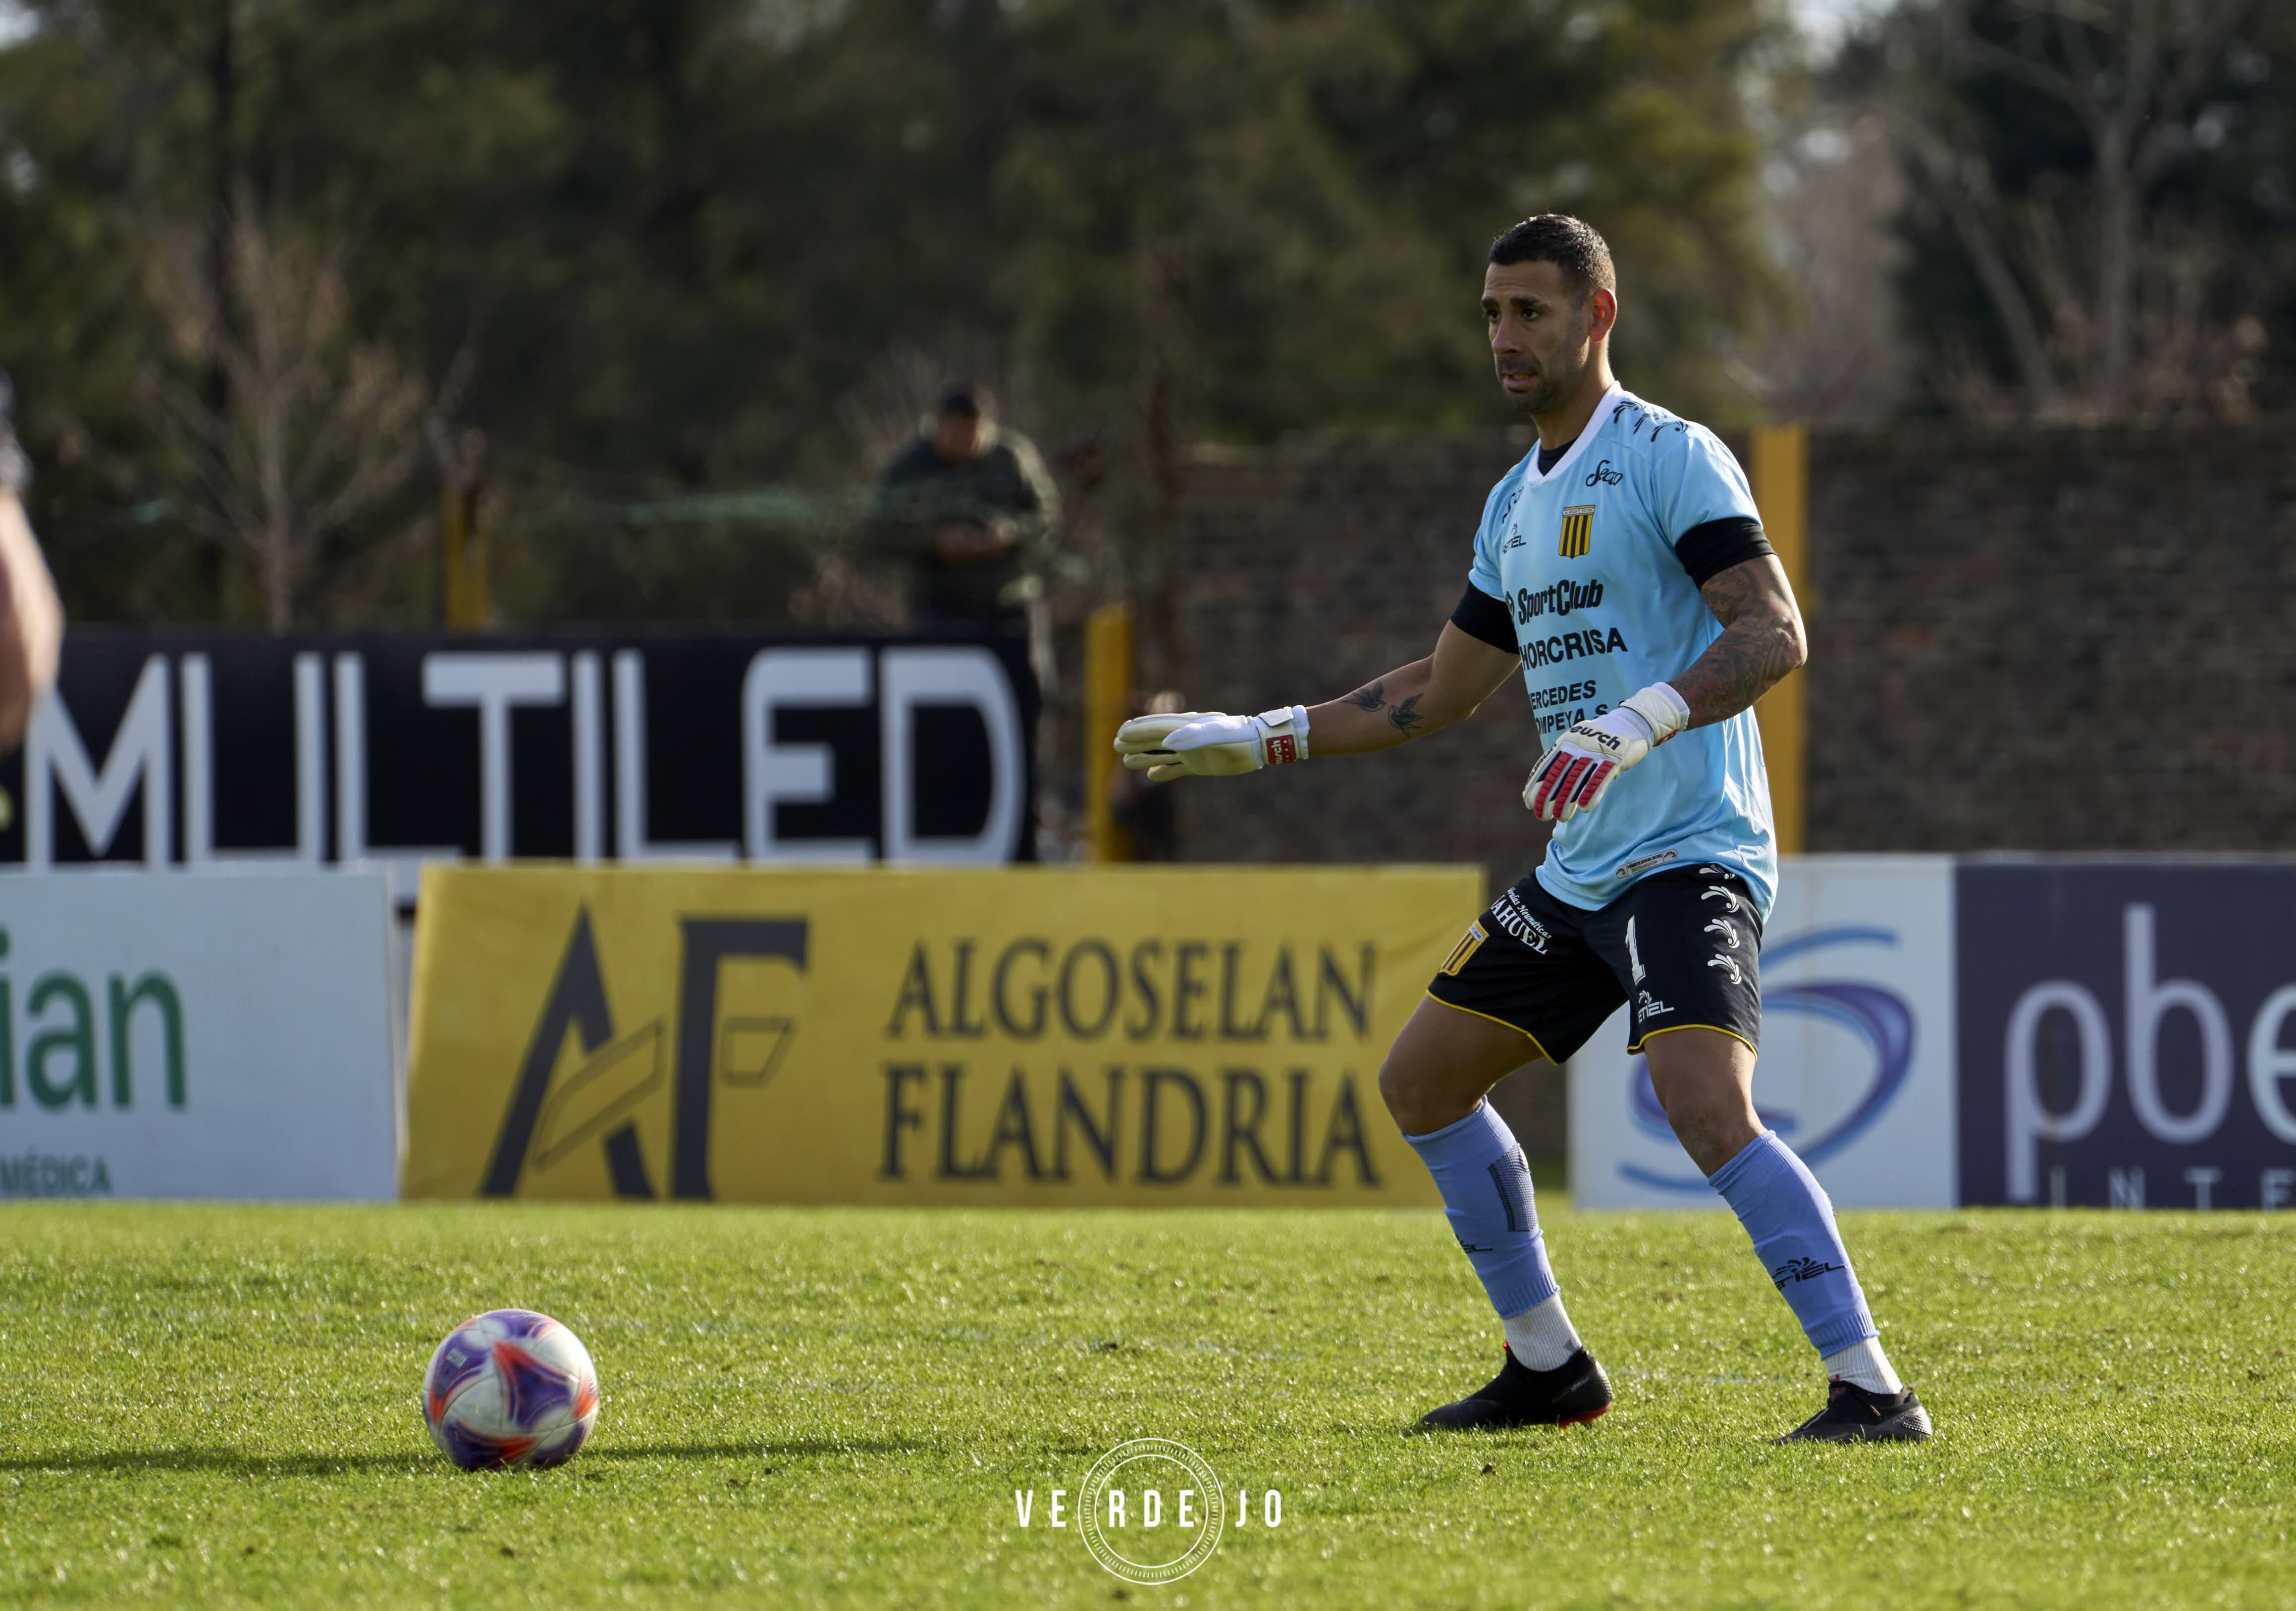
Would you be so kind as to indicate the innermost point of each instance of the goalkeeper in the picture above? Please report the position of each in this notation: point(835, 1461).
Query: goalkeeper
point(1621, 565)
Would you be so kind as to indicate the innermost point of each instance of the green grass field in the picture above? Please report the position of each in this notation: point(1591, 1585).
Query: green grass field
point(218, 1405)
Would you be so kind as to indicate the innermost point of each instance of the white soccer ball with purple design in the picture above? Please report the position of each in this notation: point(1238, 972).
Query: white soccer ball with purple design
point(509, 1387)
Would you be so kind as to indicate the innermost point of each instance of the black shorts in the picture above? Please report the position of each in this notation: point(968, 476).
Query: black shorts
point(1680, 944)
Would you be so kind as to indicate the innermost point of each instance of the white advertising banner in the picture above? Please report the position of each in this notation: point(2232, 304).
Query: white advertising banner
point(195, 1035)
point(1856, 1067)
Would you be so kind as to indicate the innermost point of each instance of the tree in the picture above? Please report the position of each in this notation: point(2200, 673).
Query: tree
point(679, 239)
point(2071, 154)
point(311, 429)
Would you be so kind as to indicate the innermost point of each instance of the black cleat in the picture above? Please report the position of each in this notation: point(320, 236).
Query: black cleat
point(1854, 1415)
point(1575, 1391)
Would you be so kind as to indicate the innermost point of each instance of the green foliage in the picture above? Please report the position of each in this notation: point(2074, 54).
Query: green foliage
point(678, 240)
point(218, 1405)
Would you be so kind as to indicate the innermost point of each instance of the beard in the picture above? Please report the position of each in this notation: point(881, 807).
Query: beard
point(1555, 383)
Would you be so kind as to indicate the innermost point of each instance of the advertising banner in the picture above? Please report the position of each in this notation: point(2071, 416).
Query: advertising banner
point(1857, 1064)
point(219, 748)
point(1149, 1036)
point(2128, 1032)
point(180, 1035)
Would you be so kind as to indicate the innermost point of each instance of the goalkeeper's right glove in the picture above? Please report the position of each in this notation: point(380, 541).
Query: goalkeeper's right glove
point(1211, 744)
point(1575, 775)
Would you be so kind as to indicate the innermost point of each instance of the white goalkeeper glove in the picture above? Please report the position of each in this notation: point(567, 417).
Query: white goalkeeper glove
point(1212, 744)
point(1574, 775)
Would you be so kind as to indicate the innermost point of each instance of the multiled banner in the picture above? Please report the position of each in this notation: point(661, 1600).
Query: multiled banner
point(1857, 1064)
point(215, 750)
point(2128, 1034)
point(1150, 1035)
point(184, 1035)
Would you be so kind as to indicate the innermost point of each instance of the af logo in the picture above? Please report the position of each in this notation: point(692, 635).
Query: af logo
point(598, 1099)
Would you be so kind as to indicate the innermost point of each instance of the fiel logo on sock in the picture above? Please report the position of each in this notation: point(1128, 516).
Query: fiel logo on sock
point(1151, 1510)
point(1801, 1270)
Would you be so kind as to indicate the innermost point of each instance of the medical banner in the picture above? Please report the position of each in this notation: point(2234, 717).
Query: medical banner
point(185, 1035)
point(2128, 1032)
point(1142, 1036)
point(1857, 1064)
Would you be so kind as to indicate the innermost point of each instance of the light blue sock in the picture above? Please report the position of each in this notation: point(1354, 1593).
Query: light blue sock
point(1486, 1189)
point(1786, 1211)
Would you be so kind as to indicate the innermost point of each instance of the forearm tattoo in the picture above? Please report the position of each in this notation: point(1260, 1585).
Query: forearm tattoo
point(1371, 698)
point(1404, 718)
point(1762, 641)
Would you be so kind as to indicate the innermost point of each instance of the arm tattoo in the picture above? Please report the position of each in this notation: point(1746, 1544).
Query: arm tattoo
point(1404, 718)
point(1762, 641)
point(1372, 698)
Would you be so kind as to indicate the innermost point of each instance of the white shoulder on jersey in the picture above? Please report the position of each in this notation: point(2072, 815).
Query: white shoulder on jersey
point(1650, 428)
point(1687, 472)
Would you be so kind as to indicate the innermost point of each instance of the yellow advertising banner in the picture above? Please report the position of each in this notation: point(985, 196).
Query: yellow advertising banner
point(1017, 1035)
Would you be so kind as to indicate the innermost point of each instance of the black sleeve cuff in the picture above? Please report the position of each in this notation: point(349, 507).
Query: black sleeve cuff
point(1708, 550)
point(1481, 616)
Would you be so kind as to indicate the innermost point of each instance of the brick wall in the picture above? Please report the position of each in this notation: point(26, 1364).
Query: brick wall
point(1309, 570)
point(2020, 640)
point(2053, 640)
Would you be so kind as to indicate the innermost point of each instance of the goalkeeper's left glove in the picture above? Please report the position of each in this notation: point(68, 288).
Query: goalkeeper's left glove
point(1574, 775)
point(1211, 744)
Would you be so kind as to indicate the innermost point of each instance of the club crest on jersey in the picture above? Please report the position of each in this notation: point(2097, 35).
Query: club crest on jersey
point(1578, 530)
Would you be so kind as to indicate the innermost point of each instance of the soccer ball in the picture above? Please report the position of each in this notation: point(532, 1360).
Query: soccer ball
point(509, 1387)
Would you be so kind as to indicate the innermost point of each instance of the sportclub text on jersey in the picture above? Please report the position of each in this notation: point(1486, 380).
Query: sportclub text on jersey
point(1584, 559)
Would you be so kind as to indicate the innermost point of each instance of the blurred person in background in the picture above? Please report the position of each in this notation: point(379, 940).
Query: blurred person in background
point(31, 620)
point(964, 505)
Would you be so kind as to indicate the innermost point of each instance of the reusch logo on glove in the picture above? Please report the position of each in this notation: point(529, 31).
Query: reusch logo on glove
point(1282, 751)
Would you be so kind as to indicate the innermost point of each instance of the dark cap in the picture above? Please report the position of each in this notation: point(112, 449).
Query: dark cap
point(963, 399)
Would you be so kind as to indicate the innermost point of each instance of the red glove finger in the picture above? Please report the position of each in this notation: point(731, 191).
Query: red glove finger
point(1597, 781)
point(1553, 801)
point(1542, 782)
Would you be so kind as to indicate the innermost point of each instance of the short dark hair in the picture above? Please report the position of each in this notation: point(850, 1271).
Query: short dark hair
point(1571, 244)
point(963, 398)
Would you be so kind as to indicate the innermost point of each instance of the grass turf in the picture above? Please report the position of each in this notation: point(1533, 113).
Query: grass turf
point(217, 1405)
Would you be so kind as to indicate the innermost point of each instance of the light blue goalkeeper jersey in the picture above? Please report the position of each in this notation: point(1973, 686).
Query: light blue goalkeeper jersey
point(1584, 558)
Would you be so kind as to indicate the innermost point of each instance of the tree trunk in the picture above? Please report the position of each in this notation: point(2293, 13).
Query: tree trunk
point(2116, 273)
point(222, 91)
point(1163, 367)
point(271, 438)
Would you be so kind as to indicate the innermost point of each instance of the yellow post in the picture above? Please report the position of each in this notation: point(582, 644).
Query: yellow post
point(1781, 475)
point(463, 545)
point(1107, 699)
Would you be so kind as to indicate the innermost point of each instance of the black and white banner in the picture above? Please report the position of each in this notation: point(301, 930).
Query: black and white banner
point(206, 750)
